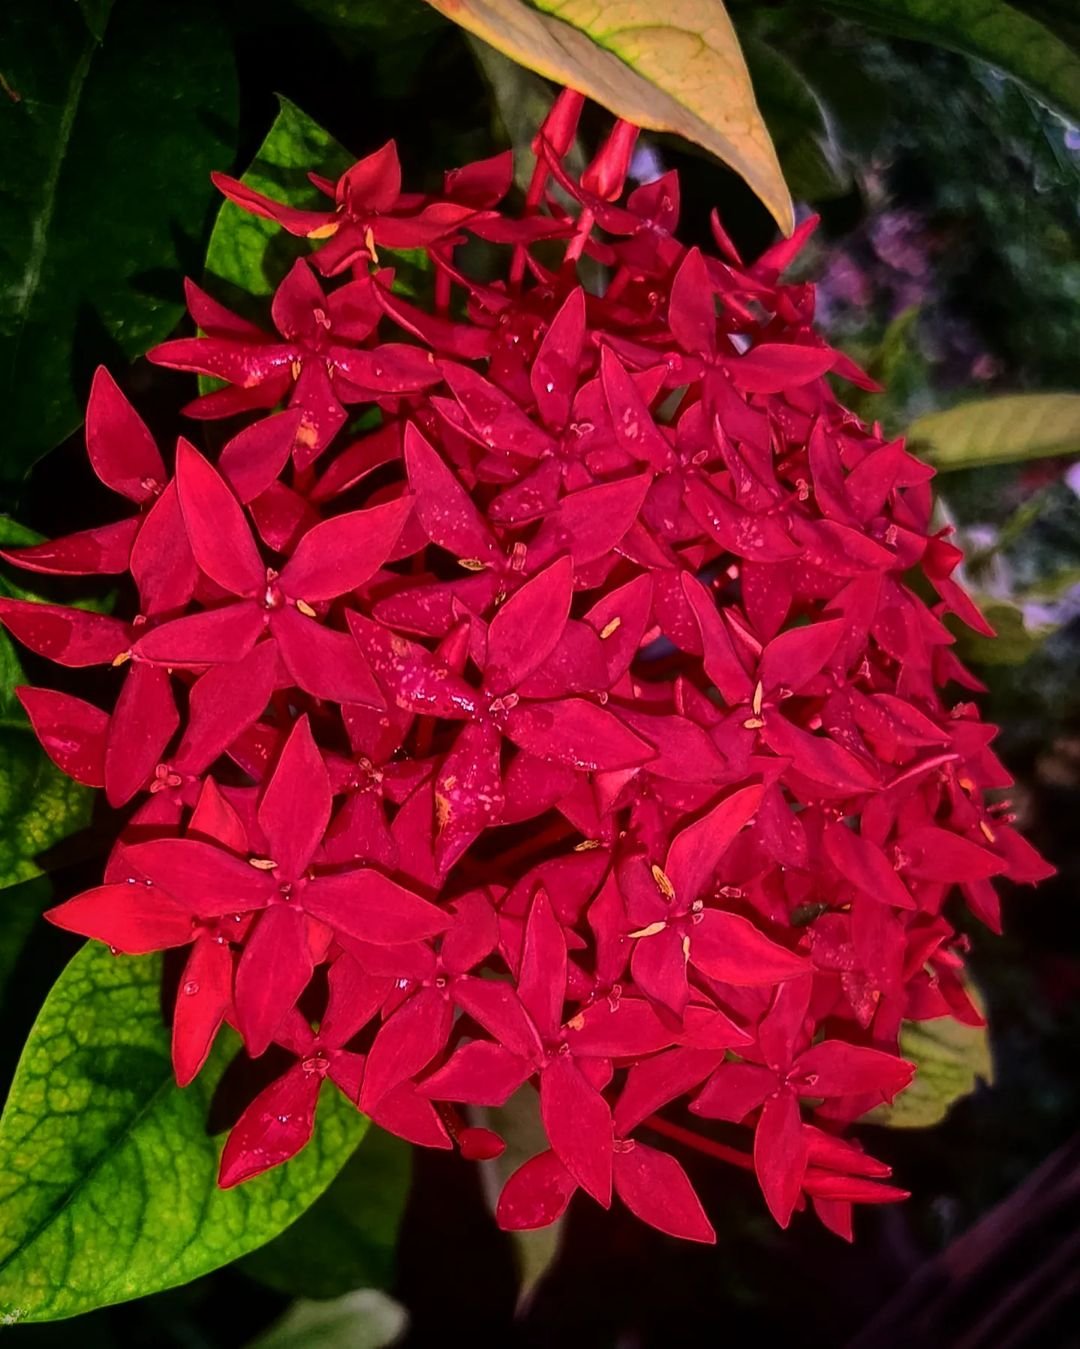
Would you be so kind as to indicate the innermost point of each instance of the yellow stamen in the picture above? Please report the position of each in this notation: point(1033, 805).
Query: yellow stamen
point(262, 863)
point(662, 883)
point(306, 608)
point(609, 628)
point(649, 931)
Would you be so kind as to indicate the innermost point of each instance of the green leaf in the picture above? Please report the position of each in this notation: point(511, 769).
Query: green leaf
point(366, 1319)
point(405, 18)
point(248, 254)
point(795, 118)
point(1014, 642)
point(107, 147)
point(679, 69)
point(346, 1239)
point(1000, 430)
point(107, 1172)
point(995, 32)
point(950, 1059)
point(21, 906)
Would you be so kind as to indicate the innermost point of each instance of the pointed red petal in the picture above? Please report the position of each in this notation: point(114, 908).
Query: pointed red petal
point(536, 1195)
point(143, 722)
point(478, 1073)
point(696, 851)
point(654, 1186)
point(274, 1127)
point(125, 917)
point(325, 663)
point(202, 1000)
point(72, 732)
point(71, 637)
point(730, 948)
point(370, 907)
point(578, 1123)
point(528, 627)
point(121, 449)
point(780, 1155)
point(295, 806)
point(219, 533)
point(273, 971)
point(105, 551)
point(341, 554)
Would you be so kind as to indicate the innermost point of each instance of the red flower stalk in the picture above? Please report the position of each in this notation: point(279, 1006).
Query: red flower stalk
point(600, 746)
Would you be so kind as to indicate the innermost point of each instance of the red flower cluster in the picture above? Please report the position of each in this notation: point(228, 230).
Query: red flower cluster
point(548, 693)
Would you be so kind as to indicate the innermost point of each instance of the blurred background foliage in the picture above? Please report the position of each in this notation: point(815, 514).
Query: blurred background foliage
point(948, 262)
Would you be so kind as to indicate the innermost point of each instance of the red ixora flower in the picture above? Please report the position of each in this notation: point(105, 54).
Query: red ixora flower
point(576, 729)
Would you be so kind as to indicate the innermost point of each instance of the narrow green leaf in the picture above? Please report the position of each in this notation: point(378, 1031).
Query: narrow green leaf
point(793, 113)
point(106, 146)
point(346, 1239)
point(247, 255)
point(999, 430)
point(107, 1172)
point(951, 1059)
point(1014, 642)
point(366, 1319)
point(991, 30)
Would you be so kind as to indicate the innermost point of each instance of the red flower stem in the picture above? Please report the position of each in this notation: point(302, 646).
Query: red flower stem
point(700, 1144)
point(442, 291)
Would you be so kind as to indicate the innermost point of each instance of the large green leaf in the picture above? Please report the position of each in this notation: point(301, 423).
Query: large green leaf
point(1004, 36)
point(107, 1172)
point(999, 430)
point(950, 1058)
point(346, 1239)
point(114, 116)
point(247, 255)
point(677, 69)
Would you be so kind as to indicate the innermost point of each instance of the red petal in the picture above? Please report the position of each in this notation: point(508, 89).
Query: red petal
point(468, 792)
point(773, 367)
point(577, 733)
point(721, 663)
point(274, 1127)
point(366, 905)
point(446, 511)
point(654, 1186)
point(273, 971)
point(202, 1000)
point(341, 554)
point(692, 309)
point(208, 881)
point(217, 636)
point(528, 626)
point(72, 732)
point(219, 533)
point(105, 551)
point(780, 1155)
point(223, 703)
point(536, 1195)
point(71, 637)
point(254, 457)
point(542, 976)
point(588, 524)
point(658, 964)
point(733, 1091)
point(555, 368)
point(480, 1145)
point(940, 855)
point(836, 1068)
point(302, 223)
point(696, 851)
point(659, 1081)
point(325, 663)
point(495, 418)
point(121, 449)
point(860, 861)
point(795, 657)
point(627, 1030)
point(125, 917)
point(143, 722)
point(730, 948)
point(578, 1123)
point(162, 563)
point(295, 806)
point(479, 1073)
point(406, 1044)
point(216, 821)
